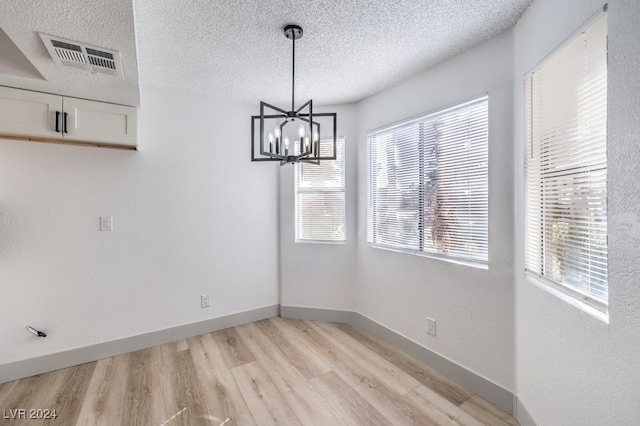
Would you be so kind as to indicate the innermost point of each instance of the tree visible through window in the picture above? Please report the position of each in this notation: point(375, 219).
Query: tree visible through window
point(428, 184)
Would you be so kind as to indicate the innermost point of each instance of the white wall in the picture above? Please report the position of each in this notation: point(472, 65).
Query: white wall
point(192, 215)
point(320, 275)
point(573, 369)
point(473, 307)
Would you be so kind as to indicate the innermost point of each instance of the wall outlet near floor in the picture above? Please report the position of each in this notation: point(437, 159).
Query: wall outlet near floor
point(106, 223)
point(431, 326)
point(205, 300)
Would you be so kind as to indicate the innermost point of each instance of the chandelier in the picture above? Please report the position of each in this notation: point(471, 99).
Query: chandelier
point(294, 136)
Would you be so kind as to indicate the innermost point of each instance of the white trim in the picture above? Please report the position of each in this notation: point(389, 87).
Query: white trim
point(436, 256)
point(522, 414)
point(565, 294)
point(42, 364)
point(497, 395)
point(601, 11)
point(502, 398)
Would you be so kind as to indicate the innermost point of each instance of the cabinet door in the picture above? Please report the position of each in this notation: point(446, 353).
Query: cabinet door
point(98, 122)
point(25, 113)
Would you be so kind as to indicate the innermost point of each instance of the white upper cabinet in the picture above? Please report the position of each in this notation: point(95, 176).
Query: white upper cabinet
point(41, 116)
point(100, 122)
point(24, 113)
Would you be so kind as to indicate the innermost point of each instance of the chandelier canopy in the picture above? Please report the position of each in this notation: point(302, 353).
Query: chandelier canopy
point(296, 135)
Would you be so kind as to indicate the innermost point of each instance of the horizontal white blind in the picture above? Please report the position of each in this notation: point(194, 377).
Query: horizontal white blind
point(566, 167)
point(320, 197)
point(428, 184)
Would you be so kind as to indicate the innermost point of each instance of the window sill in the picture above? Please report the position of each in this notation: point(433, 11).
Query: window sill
point(320, 242)
point(582, 303)
point(471, 263)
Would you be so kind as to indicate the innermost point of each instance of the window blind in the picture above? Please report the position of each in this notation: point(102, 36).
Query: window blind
point(566, 167)
point(320, 198)
point(428, 184)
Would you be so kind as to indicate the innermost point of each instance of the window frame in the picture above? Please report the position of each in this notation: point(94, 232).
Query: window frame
point(564, 291)
point(340, 140)
point(420, 251)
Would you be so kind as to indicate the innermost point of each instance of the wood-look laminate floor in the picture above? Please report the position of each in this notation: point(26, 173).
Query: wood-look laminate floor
point(275, 371)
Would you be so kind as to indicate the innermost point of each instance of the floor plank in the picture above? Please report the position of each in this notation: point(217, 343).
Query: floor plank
point(294, 348)
point(339, 362)
point(394, 407)
point(67, 393)
point(445, 387)
point(264, 400)
point(203, 346)
point(487, 413)
point(305, 401)
point(349, 405)
point(275, 371)
point(221, 393)
point(143, 402)
point(30, 393)
point(104, 401)
point(392, 376)
point(265, 352)
point(5, 390)
point(183, 402)
point(438, 409)
point(233, 348)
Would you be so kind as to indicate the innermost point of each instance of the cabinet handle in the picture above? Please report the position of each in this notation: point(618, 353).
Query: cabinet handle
point(57, 121)
point(64, 124)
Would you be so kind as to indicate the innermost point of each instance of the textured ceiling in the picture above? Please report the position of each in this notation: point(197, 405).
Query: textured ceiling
point(235, 50)
point(350, 48)
point(103, 23)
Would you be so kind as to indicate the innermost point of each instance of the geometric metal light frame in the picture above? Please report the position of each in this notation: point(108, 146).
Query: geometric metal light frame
point(309, 148)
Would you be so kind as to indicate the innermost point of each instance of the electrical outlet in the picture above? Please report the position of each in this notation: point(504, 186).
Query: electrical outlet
point(205, 300)
point(106, 223)
point(431, 326)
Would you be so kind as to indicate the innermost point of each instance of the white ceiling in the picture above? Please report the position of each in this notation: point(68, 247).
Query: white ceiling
point(235, 49)
point(103, 23)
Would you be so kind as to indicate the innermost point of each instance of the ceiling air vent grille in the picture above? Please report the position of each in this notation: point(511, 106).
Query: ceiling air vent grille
point(83, 56)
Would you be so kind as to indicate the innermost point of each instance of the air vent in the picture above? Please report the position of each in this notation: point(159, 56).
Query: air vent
point(83, 56)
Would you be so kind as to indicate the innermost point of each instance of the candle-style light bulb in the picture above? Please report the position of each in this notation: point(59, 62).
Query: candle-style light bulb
point(277, 132)
point(270, 142)
point(270, 137)
point(306, 144)
point(316, 148)
point(301, 134)
point(286, 145)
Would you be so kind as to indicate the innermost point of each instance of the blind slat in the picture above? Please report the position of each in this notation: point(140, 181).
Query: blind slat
point(320, 198)
point(428, 184)
point(566, 166)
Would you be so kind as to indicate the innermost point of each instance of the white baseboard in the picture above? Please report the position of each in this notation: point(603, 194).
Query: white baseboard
point(29, 367)
point(488, 390)
point(497, 395)
point(522, 415)
point(315, 314)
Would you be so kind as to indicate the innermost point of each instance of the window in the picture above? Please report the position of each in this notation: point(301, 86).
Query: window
point(566, 169)
point(320, 198)
point(428, 185)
